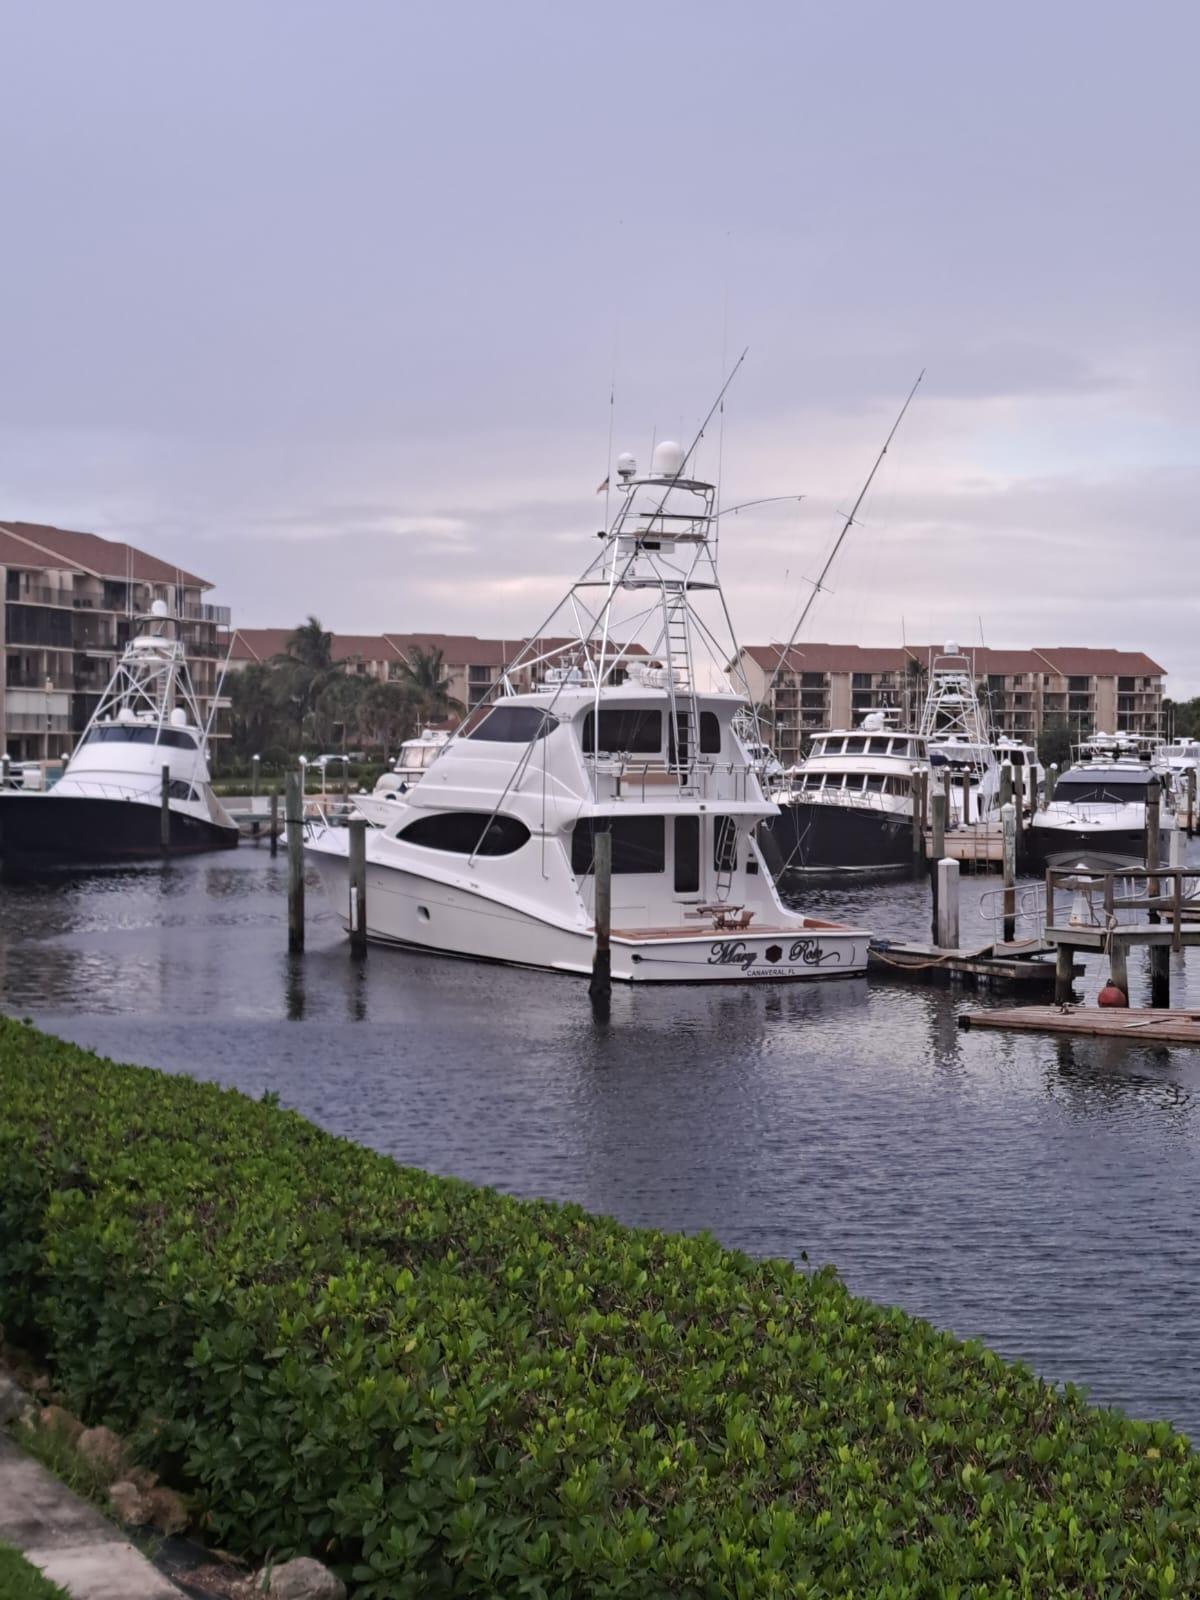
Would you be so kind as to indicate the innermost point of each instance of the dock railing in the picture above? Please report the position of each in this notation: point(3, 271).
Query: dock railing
point(1100, 898)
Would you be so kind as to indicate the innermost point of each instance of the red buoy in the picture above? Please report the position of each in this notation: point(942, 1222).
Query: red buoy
point(1110, 995)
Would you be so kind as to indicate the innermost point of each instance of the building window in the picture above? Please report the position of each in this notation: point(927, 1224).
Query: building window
point(638, 845)
point(467, 833)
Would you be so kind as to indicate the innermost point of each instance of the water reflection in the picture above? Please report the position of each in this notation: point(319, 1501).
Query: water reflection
point(1032, 1190)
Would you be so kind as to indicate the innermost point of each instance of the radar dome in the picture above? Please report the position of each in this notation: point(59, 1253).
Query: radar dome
point(179, 717)
point(159, 608)
point(668, 459)
point(626, 465)
point(952, 647)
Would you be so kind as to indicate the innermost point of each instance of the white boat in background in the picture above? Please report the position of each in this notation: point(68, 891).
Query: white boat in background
point(491, 855)
point(416, 757)
point(848, 806)
point(1098, 815)
point(957, 738)
point(107, 806)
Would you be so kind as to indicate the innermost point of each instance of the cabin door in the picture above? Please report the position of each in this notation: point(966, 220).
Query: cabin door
point(687, 861)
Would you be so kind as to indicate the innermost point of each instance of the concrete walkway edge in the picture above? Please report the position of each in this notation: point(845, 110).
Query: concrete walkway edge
point(73, 1544)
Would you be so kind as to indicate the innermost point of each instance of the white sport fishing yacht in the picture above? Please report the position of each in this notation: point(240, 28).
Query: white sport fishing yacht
point(491, 855)
point(107, 806)
point(957, 738)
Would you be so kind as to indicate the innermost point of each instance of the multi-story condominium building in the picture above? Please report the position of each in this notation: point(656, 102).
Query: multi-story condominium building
point(69, 603)
point(1073, 689)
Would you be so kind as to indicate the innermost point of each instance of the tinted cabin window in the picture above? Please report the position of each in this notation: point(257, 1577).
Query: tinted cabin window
point(855, 747)
point(638, 845)
point(710, 734)
point(627, 732)
point(120, 734)
point(1107, 792)
point(513, 725)
point(467, 833)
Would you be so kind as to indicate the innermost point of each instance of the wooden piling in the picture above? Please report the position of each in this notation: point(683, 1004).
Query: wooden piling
point(1006, 784)
point(164, 811)
point(275, 821)
point(358, 886)
point(1191, 801)
point(947, 905)
point(1153, 807)
point(937, 805)
point(1160, 976)
point(294, 815)
point(1051, 780)
point(1008, 829)
point(1118, 964)
point(918, 817)
point(255, 771)
point(1064, 972)
point(1019, 799)
point(966, 799)
point(600, 987)
point(4, 768)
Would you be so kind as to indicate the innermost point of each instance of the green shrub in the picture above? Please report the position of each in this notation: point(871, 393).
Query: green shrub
point(446, 1391)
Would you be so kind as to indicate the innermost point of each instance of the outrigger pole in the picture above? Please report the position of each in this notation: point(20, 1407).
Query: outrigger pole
point(837, 543)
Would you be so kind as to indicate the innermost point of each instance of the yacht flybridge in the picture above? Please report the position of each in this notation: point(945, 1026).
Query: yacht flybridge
point(107, 806)
point(629, 727)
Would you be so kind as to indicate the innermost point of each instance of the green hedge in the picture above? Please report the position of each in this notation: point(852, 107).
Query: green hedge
point(449, 1392)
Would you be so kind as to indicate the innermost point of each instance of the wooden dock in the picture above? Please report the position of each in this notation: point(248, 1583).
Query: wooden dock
point(979, 845)
point(1136, 1026)
point(993, 963)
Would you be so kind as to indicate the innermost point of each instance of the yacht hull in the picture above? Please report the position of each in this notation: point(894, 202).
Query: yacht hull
point(831, 838)
point(412, 912)
point(41, 830)
point(1101, 849)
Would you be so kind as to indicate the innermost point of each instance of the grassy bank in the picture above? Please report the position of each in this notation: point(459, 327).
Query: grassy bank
point(20, 1581)
point(445, 1391)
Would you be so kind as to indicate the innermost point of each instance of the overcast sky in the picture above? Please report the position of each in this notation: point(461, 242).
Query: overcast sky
point(326, 301)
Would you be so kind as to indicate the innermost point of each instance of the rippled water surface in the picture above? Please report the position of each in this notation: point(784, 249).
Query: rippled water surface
point(1039, 1192)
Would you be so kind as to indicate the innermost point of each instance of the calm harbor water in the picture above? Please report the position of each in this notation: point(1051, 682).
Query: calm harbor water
point(1040, 1193)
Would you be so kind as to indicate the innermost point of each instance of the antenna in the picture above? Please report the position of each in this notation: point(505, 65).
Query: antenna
point(837, 543)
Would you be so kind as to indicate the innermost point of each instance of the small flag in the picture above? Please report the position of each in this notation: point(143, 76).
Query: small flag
point(602, 487)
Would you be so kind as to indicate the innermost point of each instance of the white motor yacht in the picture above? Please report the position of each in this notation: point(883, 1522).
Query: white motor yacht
point(107, 806)
point(1098, 815)
point(492, 854)
point(847, 807)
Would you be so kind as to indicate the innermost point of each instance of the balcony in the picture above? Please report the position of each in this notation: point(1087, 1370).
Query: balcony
point(219, 615)
point(38, 594)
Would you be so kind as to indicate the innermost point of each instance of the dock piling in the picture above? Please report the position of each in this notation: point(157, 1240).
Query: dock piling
point(1160, 977)
point(1006, 784)
point(358, 886)
point(1064, 973)
point(937, 806)
point(294, 816)
point(1118, 964)
point(1051, 780)
point(947, 904)
point(600, 987)
point(1153, 807)
point(918, 818)
point(164, 811)
point(1019, 799)
point(1191, 801)
point(1008, 828)
point(255, 772)
point(275, 820)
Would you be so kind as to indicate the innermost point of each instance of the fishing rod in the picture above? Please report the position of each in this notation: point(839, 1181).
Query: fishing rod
point(837, 544)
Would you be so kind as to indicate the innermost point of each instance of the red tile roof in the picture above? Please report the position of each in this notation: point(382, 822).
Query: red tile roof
point(1066, 660)
point(34, 544)
point(458, 649)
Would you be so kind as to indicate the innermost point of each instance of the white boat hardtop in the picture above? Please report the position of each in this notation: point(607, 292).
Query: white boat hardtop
point(492, 854)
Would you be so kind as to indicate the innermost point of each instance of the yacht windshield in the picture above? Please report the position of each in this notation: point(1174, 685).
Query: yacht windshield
point(1106, 791)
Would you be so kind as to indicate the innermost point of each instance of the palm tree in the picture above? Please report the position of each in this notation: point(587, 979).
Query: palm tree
point(915, 674)
point(424, 673)
point(306, 668)
point(310, 645)
point(390, 712)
